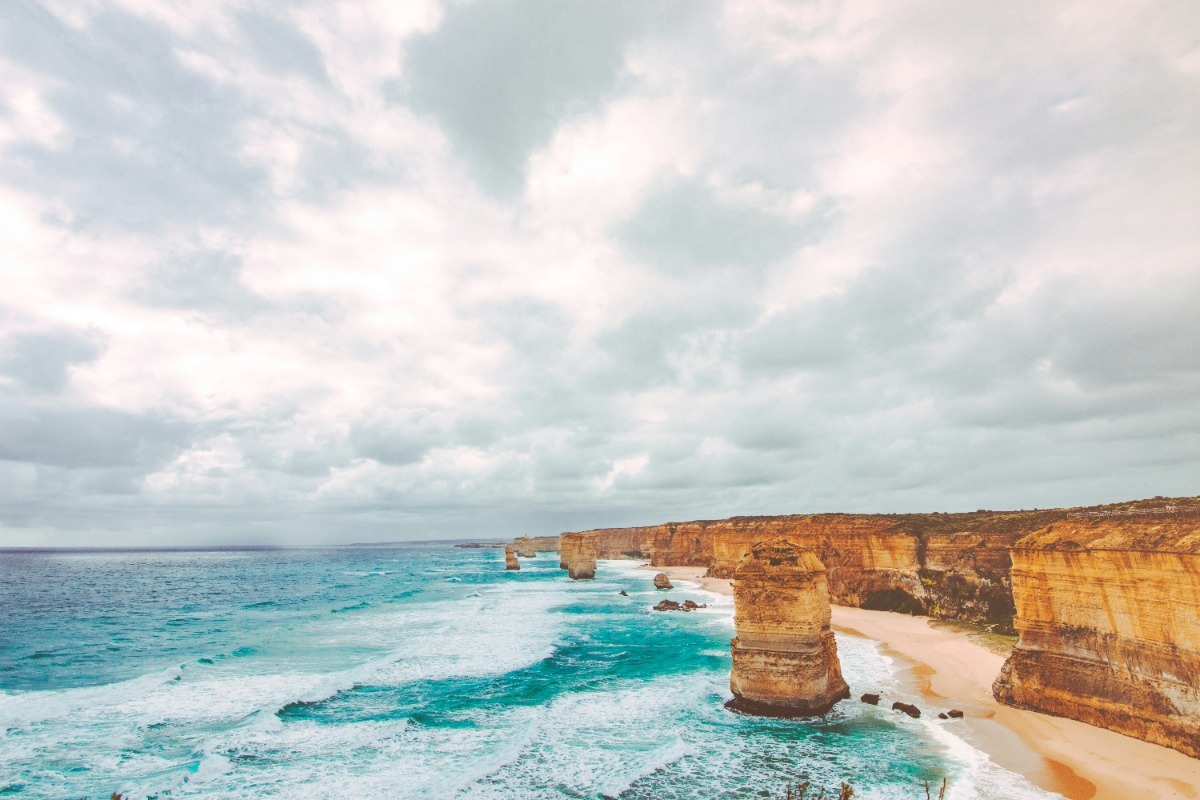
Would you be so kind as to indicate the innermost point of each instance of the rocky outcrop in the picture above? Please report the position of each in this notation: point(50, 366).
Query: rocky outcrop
point(625, 543)
point(662, 581)
point(1108, 611)
point(577, 554)
point(510, 559)
point(785, 659)
point(535, 545)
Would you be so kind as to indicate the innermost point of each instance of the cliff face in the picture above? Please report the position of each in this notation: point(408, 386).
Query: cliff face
point(577, 554)
point(622, 542)
point(952, 566)
point(785, 660)
point(1108, 611)
point(536, 544)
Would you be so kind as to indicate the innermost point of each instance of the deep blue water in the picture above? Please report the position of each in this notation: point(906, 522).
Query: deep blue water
point(420, 671)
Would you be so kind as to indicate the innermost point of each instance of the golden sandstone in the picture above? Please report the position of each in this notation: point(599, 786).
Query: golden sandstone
point(785, 660)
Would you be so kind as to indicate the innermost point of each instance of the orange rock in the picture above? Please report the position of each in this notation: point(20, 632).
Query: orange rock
point(577, 554)
point(785, 659)
point(510, 559)
point(1108, 610)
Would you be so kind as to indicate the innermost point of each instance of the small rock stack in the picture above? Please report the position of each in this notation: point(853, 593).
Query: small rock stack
point(510, 559)
point(525, 547)
point(785, 660)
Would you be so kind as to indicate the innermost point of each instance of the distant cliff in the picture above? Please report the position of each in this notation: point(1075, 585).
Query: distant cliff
point(1108, 610)
point(952, 566)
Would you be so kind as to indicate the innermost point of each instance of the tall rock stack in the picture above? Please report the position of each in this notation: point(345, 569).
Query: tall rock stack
point(785, 660)
point(577, 555)
point(510, 559)
point(525, 547)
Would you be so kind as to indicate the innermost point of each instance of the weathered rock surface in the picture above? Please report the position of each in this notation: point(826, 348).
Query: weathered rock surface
point(1108, 611)
point(672, 605)
point(624, 543)
point(870, 699)
point(662, 581)
point(577, 554)
point(907, 708)
point(536, 544)
point(785, 659)
point(510, 559)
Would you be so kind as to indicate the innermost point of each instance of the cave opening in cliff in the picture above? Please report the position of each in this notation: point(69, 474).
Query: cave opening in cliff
point(894, 600)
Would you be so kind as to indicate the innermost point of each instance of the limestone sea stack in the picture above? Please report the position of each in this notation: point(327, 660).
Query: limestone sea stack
point(525, 547)
point(785, 660)
point(577, 555)
point(1108, 610)
point(662, 581)
point(510, 559)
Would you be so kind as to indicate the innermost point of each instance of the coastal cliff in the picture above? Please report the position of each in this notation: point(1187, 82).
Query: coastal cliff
point(1108, 611)
point(535, 544)
point(950, 566)
point(785, 660)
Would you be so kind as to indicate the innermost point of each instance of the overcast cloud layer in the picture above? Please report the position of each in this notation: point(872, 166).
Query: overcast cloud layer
point(362, 271)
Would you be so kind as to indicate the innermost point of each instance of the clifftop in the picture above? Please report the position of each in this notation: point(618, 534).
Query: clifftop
point(1163, 534)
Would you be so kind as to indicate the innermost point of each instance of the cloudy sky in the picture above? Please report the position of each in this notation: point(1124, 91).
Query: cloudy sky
point(360, 271)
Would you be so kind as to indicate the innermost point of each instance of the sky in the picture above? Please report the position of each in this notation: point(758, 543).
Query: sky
point(363, 271)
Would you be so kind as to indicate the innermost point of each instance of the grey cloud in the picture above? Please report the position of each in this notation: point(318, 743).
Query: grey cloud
point(683, 228)
point(501, 76)
point(41, 360)
point(89, 437)
point(148, 143)
point(280, 46)
point(206, 280)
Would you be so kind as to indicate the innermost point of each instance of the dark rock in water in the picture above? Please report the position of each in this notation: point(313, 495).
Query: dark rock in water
point(955, 714)
point(662, 581)
point(943, 715)
point(911, 710)
point(624, 593)
point(668, 605)
point(870, 699)
point(688, 605)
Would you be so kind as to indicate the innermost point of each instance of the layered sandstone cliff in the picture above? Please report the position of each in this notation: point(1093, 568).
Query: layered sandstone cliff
point(536, 544)
point(1108, 611)
point(577, 554)
point(785, 659)
point(951, 566)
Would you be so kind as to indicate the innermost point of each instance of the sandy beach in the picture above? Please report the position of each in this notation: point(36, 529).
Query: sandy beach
point(950, 670)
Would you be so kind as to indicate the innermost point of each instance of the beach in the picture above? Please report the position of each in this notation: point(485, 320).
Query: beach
point(1078, 761)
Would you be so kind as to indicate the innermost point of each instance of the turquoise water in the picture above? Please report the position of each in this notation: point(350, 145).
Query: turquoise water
point(420, 671)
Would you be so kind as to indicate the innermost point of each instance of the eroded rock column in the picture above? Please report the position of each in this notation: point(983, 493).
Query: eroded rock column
point(785, 660)
point(525, 547)
point(510, 559)
point(577, 555)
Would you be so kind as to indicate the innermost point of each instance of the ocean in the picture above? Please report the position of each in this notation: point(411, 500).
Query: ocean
point(415, 671)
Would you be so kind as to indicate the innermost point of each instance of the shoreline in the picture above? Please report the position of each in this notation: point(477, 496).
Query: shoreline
point(1076, 760)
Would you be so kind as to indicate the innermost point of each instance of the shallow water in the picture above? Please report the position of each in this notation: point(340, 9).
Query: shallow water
point(420, 671)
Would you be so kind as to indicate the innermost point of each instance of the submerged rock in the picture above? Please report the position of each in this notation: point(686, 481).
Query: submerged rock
point(624, 593)
point(668, 605)
point(870, 699)
point(785, 660)
point(662, 581)
point(907, 708)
